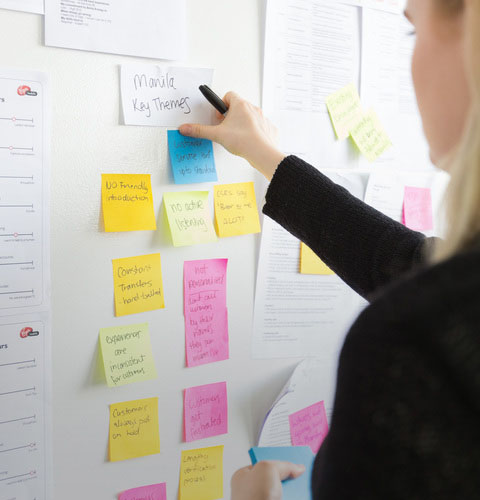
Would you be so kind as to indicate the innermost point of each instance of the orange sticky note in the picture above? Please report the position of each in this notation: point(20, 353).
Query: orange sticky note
point(236, 210)
point(310, 263)
point(134, 429)
point(127, 202)
point(138, 284)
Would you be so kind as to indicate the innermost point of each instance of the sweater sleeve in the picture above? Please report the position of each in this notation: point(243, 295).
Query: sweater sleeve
point(361, 245)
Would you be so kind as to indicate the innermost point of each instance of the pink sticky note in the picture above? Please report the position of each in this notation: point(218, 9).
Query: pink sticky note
point(206, 337)
point(309, 427)
point(417, 208)
point(205, 411)
point(205, 284)
point(152, 492)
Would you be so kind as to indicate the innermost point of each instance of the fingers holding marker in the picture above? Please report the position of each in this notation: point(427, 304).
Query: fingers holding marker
point(199, 131)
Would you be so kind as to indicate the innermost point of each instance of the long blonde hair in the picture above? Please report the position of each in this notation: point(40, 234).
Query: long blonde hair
point(463, 195)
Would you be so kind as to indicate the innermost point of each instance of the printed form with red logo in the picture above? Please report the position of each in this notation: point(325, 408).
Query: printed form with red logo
point(25, 365)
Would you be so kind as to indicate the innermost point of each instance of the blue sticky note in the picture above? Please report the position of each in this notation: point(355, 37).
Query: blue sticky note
point(192, 159)
point(293, 489)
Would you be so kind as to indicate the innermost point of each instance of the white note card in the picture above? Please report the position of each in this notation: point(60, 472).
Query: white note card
point(162, 96)
point(144, 28)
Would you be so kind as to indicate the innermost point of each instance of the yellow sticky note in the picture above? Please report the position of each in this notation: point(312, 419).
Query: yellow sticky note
point(369, 136)
point(127, 354)
point(138, 284)
point(310, 263)
point(345, 109)
point(127, 202)
point(134, 429)
point(236, 210)
point(201, 474)
point(189, 217)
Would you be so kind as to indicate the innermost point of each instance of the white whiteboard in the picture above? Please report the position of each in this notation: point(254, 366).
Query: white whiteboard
point(86, 142)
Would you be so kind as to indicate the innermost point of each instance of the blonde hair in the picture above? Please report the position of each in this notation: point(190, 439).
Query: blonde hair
point(463, 195)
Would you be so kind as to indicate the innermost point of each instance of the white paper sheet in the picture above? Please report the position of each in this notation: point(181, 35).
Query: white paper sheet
point(35, 6)
point(299, 315)
point(164, 96)
point(313, 380)
point(144, 28)
point(312, 49)
point(386, 191)
point(25, 364)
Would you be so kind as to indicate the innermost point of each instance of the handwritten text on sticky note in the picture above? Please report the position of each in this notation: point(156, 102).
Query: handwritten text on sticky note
point(192, 159)
point(134, 429)
point(309, 427)
point(369, 136)
point(138, 284)
point(164, 96)
point(310, 262)
point(345, 109)
point(236, 209)
point(205, 411)
point(127, 202)
point(417, 208)
point(201, 474)
point(206, 318)
point(127, 354)
point(189, 218)
point(152, 492)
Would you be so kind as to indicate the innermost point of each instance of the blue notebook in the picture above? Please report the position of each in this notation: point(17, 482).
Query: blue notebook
point(293, 489)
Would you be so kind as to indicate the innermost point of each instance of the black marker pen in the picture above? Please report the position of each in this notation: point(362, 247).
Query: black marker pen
point(213, 99)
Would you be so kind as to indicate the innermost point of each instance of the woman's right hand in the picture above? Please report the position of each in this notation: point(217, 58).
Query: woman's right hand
point(243, 131)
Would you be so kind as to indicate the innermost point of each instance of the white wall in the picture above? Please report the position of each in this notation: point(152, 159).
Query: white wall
point(87, 141)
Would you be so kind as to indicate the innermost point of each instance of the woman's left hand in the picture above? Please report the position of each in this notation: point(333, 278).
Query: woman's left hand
point(263, 481)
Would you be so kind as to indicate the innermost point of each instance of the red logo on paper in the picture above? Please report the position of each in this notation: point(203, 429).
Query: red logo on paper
point(24, 332)
point(23, 89)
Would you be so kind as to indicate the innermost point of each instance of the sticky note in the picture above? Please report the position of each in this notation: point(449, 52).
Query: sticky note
point(138, 284)
point(201, 474)
point(152, 492)
point(205, 411)
point(309, 427)
point(206, 316)
point(127, 202)
point(369, 136)
point(189, 218)
point(417, 209)
point(310, 262)
point(191, 159)
point(235, 209)
point(134, 429)
point(293, 489)
point(345, 109)
point(127, 354)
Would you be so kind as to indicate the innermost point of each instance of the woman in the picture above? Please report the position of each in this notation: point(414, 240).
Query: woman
point(406, 419)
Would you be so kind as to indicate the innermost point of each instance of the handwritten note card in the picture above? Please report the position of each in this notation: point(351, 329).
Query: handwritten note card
point(206, 317)
point(127, 354)
point(310, 262)
point(163, 96)
point(205, 411)
point(345, 109)
point(236, 209)
point(127, 202)
point(201, 474)
point(370, 137)
point(134, 429)
point(189, 218)
point(152, 492)
point(417, 209)
point(192, 159)
point(309, 427)
point(138, 284)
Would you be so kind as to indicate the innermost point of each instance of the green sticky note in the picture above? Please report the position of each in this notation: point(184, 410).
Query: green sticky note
point(345, 109)
point(189, 217)
point(369, 136)
point(127, 354)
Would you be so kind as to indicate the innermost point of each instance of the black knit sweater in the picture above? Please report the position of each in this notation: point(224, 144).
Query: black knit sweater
point(406, 418)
